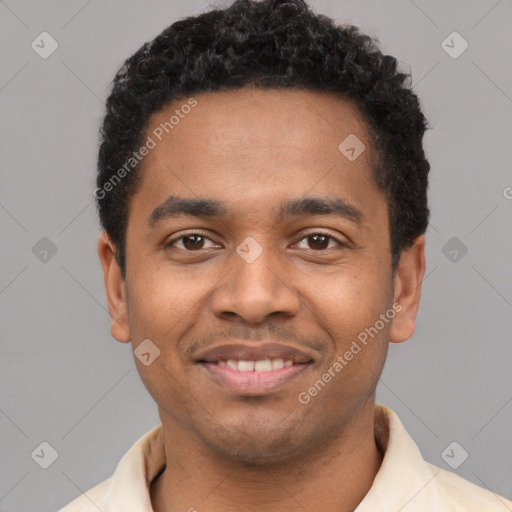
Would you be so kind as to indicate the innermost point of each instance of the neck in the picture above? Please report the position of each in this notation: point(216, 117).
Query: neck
point(333, 479)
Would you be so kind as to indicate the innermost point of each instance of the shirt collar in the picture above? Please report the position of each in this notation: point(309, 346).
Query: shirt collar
point(403, 480)
point(129, 485)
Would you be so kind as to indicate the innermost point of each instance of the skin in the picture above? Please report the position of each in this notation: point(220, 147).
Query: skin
point(251, 150)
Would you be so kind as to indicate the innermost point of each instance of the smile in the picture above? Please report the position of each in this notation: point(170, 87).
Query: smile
point(263, 365)
point(254, 369)
point(253, 378)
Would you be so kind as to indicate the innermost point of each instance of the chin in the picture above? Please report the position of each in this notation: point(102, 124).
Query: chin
point(254, 453)
point(258, 444)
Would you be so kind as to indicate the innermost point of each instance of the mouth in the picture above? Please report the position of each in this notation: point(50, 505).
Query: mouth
point(262, 365)
point(251, 371)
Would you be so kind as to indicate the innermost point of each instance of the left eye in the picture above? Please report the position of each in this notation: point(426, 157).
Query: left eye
point(318, 241)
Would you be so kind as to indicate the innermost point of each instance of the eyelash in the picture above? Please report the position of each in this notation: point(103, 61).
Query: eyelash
point(172, 242)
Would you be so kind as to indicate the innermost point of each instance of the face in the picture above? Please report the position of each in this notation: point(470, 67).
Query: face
point(258, 256)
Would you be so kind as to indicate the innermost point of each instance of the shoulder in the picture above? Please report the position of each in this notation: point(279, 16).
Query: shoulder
point(461, 495)
point(411, 484)
point(128, 488)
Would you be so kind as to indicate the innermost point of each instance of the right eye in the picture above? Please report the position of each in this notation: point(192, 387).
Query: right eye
point(190, 242)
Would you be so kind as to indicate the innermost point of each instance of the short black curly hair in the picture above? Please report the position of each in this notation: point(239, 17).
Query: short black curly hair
point(267, 44)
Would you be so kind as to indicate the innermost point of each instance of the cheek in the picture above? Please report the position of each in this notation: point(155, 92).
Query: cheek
point(345, 302)
point(160, 302)
point(161, 309)
point(165, 383)
point(165, 308)
point(347, 306)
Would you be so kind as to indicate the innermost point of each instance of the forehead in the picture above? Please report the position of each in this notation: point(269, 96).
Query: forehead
point(277, 118)
point(257, 145)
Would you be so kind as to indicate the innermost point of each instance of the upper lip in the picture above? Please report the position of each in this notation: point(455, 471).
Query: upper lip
point(248, 352)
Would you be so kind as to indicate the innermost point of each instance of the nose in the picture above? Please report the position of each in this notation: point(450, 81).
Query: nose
point(255, 291)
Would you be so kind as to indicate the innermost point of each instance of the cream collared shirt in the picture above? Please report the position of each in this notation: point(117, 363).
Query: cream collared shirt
point(404, 483)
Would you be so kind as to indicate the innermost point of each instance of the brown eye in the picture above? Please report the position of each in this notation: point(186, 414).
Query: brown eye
point(318, 241)
point(193, 242)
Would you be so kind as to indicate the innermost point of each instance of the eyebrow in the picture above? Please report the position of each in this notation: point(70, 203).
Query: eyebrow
point(320, 206)
point(175, 206)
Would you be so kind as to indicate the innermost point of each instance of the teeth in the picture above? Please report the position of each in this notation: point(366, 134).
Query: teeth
point(263, 365)
point(245, 366)
point(277, 364)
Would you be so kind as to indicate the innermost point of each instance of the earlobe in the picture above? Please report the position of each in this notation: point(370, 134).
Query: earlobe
point(407, 290)
point(114, 289)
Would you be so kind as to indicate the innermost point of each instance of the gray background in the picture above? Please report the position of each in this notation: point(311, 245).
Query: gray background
point(65, 381)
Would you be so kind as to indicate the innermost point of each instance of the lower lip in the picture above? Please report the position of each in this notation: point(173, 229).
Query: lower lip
point(253, 383)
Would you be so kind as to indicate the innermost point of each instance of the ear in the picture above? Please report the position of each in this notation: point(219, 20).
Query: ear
point(407, 290)
point(115, 290)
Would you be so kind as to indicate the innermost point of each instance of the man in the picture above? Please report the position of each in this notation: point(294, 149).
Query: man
point(263, 192)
